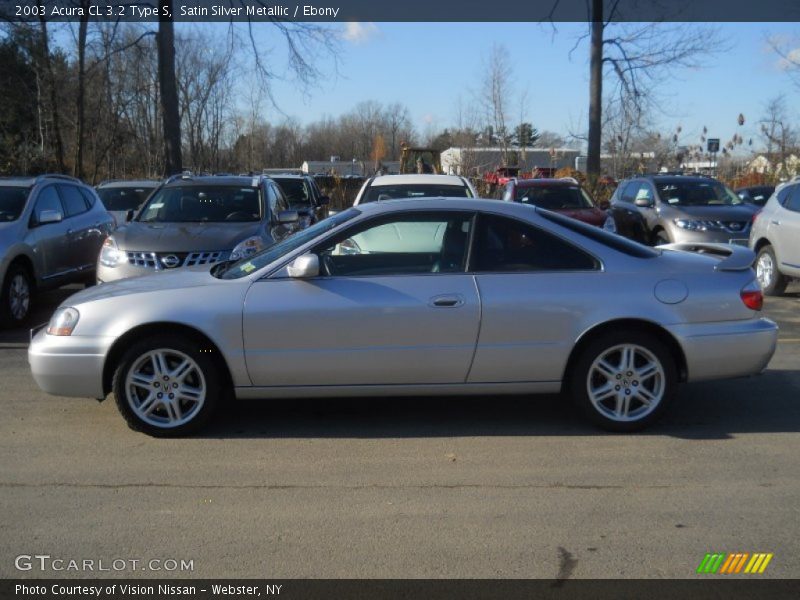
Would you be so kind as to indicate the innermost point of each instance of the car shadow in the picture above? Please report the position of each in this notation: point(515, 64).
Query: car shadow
point(711, 411)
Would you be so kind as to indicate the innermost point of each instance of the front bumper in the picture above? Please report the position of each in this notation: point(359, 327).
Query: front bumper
point(727, 349)
point(69, 365)
point(680, 235)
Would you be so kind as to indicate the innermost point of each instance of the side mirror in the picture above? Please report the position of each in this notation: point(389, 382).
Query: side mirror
point(287, 217)
point(304, 267)
point(324, 200)
point(129, 215)
point(49, 216)
point(643, 202)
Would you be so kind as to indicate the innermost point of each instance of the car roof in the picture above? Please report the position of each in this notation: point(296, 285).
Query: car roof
point(287, 176)
point(445, 203)
point(416, 178)
point(221, 180)
point(123, 183)
point(678, 178)
point(546, 183)
point(17, 181)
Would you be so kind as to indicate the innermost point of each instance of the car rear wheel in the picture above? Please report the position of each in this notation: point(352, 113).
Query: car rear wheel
point(16, 296)
point(773, 282)
point(165, 387)
point(623, 381)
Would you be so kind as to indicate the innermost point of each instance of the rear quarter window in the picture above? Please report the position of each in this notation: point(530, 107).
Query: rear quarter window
point(610, 240)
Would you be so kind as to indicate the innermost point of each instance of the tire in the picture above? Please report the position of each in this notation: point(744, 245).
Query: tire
point(588, 378)
point(661, 237)
point(16, 296)
point(773, 282)
point(159, 416)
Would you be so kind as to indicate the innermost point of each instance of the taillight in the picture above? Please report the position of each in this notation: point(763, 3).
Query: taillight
point(752, 296)
point(754, 218)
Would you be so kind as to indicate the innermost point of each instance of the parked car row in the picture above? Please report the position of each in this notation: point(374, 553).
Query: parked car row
point(55, 230)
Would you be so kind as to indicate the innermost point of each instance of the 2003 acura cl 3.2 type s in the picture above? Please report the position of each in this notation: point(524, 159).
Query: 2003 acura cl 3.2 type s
point(432, 296)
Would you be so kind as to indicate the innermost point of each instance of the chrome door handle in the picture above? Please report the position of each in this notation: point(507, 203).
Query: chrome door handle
point(775, 222)
point(70, 232)
point(447, 301)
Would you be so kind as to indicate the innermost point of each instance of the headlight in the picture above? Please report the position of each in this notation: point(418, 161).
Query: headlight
point(63, 321)
point(247, 247)
point(610, 225)
point(692, 225)
point(110, 254)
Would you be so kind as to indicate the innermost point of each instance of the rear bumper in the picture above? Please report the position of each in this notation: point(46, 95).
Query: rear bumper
point(727, 349)
point(69, 365)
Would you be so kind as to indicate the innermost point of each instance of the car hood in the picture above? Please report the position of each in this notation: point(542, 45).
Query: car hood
point(157, 281)
point(183, 237)
point(742, 212)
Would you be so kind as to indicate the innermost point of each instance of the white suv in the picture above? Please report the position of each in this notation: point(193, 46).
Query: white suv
point(391, 187)
point(775, 237)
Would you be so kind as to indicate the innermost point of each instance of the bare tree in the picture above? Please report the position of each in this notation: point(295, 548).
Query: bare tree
point(637, 57)
point(496, 95)
point(780, 137)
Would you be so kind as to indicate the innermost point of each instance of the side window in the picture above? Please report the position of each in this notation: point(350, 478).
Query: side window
point(74, 204)
point(793, 202)
point(406, 244)
point(784, 193)
point(281, 203)
point(503, 245)
point(48, 200)
point(88, 196)
point(630, 191)
point(645, 192)
point(271, 200)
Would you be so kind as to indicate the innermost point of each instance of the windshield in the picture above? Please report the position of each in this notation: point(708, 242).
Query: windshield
point(202, 204)
point(696, 193)
point(118, 198)
point(296, 191)
point(554, 198)
point(285, 246)
point(12, 201)
point(389, 192)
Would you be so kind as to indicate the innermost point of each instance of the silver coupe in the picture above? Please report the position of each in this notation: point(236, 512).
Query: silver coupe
point(416, 297)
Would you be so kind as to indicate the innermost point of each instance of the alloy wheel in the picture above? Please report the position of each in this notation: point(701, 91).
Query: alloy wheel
point(165, 388)
point(765, 270)
point(19, 296)
point(626, 383)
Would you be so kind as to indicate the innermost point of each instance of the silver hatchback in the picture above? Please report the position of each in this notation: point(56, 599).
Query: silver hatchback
point(433, 296)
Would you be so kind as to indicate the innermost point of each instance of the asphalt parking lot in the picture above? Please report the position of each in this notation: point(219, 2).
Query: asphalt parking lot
point(461, 487)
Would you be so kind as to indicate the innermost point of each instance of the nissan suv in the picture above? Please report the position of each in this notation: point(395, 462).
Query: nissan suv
point(51, 229)
point(776, 239)
point(201, 220)
point(663, 209)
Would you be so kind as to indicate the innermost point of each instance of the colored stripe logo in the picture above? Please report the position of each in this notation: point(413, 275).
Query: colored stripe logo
point(728, 563)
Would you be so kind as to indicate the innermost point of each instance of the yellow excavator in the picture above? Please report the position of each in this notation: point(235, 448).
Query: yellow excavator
point(420, 160)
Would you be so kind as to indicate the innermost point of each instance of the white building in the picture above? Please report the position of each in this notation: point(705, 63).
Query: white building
point(476, 161)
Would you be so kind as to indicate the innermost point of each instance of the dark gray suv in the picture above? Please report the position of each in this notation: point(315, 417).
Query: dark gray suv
point(663, 209)
point(198, 220)
point(51, 229)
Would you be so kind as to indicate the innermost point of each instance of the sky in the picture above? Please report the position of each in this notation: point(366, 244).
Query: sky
point(428, 66)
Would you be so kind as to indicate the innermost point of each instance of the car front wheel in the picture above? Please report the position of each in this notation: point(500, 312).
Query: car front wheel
point(772, 281)
point(623, 381)
point(165, 387)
